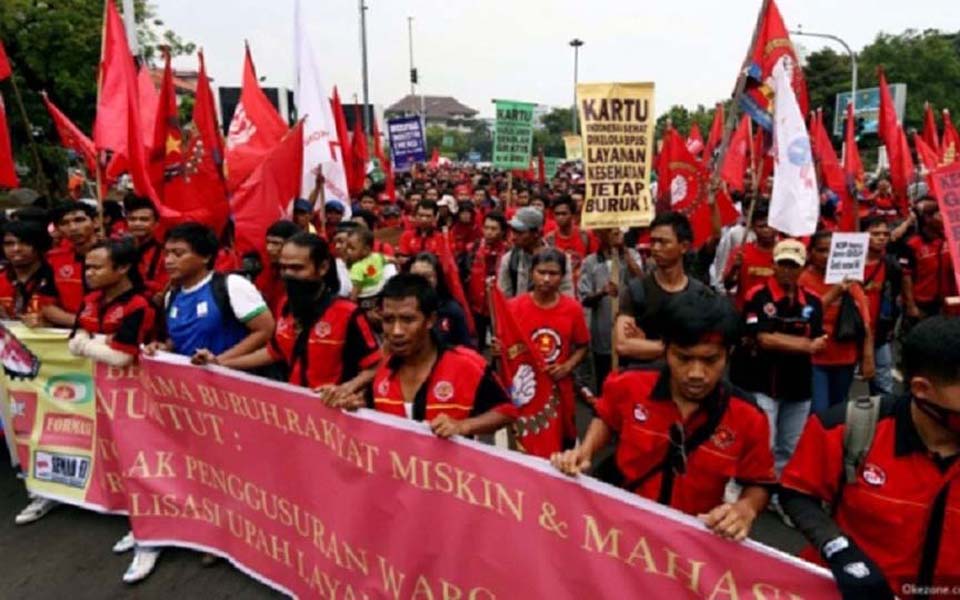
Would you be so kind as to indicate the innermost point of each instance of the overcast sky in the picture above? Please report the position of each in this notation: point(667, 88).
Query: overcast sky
point(476, 50)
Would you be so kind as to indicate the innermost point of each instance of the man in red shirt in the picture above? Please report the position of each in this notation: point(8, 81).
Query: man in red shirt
point(894, 525)
point(568, 238)
point(883, 202)
point(26, 282)
point(142, 220)
point(451, 388)
point(270, 282)
point(325, 341)
point(77, 223)
point(424, 237)
point(882, 285)
point(683, 433)
point(927, 264)
point(751, 264)
point(482, 260)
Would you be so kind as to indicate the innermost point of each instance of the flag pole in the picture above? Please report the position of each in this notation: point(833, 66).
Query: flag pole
point(99, 175)
point(41, 178)
point(732, 115)
point(731, 123)
point(614, 310)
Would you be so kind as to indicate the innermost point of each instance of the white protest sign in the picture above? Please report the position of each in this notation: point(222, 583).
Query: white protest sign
point(848, 257)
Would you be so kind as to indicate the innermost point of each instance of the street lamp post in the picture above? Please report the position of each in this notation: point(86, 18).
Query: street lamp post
point(363, 48)
point(415, 79)
point(576, 43)
point(853, 61)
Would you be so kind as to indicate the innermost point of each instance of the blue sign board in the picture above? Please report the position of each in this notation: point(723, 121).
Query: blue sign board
point(867, 107)
point(407, 145)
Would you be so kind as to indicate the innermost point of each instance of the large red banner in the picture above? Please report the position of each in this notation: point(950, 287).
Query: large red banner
point(317, 502)
point(946, 187)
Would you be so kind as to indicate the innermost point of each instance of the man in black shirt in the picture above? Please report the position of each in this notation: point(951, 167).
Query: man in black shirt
point(637, 332)
point(784, 323)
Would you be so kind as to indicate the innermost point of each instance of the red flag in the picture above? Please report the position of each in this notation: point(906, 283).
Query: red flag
point(5, 70)
point(255, 130)
point(452, 276)
point(385, 165)
point(541, 168)
point(685, 178)
point(930, 136)
point(735, 160)
point(166, 155)
point(149, 104)
point(772, 44)
point(343, 136)
point(927, 155)
point(716, 132)
point(950, 143)
point(852, 166)
point(71, 136)
point(530, 388)
point(8, 174)
point(435, 159)
point(695, 140)
point(205, 118)
point(359, 154)
point(830, 171)
point(264, 196)
point(118, 125)
point(887, 118)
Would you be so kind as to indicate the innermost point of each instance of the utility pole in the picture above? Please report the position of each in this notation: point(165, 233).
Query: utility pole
point(366, 81)
point(576, 43)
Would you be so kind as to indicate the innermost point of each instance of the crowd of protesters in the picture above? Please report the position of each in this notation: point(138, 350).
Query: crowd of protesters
point(735, 360)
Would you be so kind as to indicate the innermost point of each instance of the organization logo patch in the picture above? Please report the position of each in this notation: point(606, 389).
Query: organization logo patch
point(443, 391)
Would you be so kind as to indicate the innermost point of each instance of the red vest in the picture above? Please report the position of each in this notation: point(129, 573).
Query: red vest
point(324, 346)
point(450, 388)
point(483, 264)
point(68, 277)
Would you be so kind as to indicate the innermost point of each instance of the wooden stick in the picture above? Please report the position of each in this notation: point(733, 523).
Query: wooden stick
point(614, 310)
point(732, 114)
point(41, 178)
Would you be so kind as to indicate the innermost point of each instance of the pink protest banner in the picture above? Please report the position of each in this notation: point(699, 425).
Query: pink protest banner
point(316, 502)
point(946, 187)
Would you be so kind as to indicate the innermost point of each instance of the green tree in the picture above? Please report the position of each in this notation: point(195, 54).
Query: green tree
point(683, 119)
point(58, 50)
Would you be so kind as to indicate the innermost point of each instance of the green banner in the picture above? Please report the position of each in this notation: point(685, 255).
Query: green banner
point(551, 164)
point(513, 135)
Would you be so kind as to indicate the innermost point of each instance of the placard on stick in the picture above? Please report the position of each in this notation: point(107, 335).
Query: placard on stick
point(848, 257)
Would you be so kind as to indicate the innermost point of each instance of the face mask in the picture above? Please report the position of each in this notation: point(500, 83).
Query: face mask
point(946, 417)
point(303, 296)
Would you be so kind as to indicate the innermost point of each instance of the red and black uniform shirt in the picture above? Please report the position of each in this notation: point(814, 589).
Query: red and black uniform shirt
point(483, 260)
point(127, 320)
point(18, 298)
point(929, 264)
point(780, 375)
point(460, 385)
point(578, 245)
point(151, 267)
point(413, 243)
point(339, 345)
point(636, 403)
point(903, 510)
point(68, 278)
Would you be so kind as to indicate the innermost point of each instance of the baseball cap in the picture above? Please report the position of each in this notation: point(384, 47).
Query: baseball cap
point(449, 202)
point(334, 205)
point(527, 218)
point(790, 251)
point(302, 205)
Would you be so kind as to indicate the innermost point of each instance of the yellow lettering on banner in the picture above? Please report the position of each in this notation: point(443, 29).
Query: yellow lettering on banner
point(392, 578)
point(445, 590)
point(692, 575)
point(641, 550)
point(131, 371)
point(141, 467)
point(726, 587)
point(594, 542)
point(107, 402)
point(463, 485)
point(199, 422)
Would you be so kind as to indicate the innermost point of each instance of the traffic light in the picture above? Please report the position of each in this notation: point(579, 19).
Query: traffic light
point(413, 76)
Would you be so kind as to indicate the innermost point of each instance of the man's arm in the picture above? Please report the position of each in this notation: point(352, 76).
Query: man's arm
point(630, 341)
point(794, 344)
point(578, 460)
point(260, 330)
point(57, 316)
point(503, 275)
point(249, 306)
point(734, 520)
